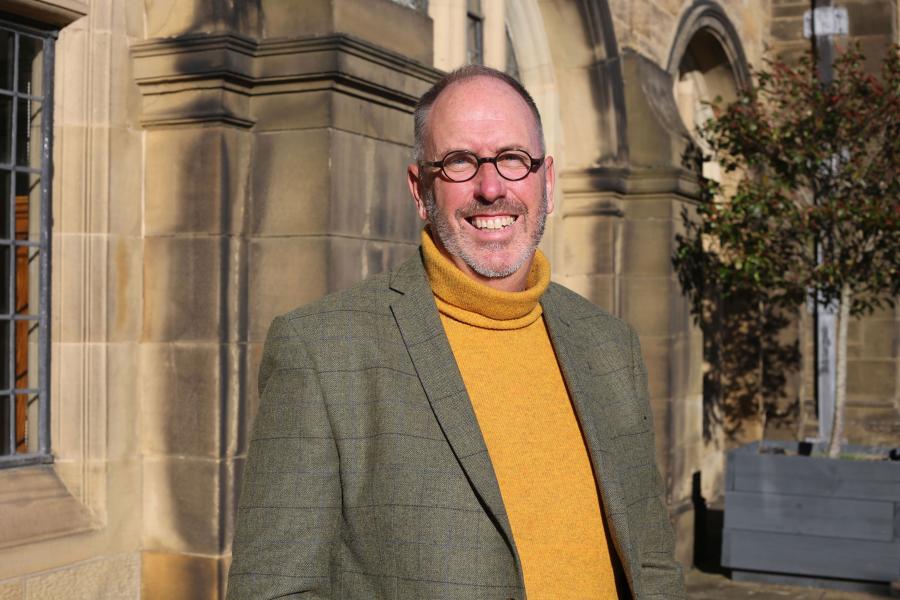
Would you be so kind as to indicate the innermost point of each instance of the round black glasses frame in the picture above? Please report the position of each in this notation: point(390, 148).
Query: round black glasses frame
point(533, 164)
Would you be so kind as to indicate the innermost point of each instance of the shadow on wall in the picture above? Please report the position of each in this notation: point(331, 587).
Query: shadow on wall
point(198, 261)
point(750, 347)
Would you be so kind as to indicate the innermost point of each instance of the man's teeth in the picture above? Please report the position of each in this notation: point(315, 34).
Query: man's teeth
point(492, 222)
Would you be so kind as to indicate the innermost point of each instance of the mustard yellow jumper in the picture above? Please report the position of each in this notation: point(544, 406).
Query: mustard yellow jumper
point(529, 425)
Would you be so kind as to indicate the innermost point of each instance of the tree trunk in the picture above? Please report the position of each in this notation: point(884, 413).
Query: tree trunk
point(840, 392)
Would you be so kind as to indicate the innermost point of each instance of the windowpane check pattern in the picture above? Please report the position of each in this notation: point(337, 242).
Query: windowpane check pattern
point(26, 101)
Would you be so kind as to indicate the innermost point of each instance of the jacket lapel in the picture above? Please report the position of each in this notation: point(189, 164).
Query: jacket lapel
point(420, 325)
point(572, 343)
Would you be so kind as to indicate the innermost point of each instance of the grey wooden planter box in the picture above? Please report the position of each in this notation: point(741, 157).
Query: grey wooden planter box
point(811, 520)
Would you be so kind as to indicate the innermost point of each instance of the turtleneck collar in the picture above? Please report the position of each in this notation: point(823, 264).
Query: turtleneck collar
point(469, 301)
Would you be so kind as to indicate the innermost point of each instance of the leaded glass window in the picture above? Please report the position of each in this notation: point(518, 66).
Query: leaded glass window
point(26, 101)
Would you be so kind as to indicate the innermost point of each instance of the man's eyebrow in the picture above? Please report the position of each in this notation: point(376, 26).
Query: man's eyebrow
point(497, 151)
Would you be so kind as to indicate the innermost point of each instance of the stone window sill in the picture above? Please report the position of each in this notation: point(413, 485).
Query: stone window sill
point(58, 13)
point(35, 505)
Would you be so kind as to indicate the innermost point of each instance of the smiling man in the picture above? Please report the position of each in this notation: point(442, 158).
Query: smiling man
point(460, 427)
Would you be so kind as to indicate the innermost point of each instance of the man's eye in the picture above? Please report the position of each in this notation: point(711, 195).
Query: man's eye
point(512, 159)
point(458, 161)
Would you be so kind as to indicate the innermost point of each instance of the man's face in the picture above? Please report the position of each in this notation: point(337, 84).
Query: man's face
point(488, 226)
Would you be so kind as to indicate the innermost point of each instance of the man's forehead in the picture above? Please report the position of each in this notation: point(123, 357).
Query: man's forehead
point(483, 92)
point(481, 105)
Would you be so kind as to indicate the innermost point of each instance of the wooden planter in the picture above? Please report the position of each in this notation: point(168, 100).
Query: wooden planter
point(812, 521)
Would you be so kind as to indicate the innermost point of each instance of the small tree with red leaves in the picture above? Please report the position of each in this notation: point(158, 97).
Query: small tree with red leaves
point(817, 209)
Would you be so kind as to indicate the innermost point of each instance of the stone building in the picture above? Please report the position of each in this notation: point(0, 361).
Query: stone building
point(202, 166)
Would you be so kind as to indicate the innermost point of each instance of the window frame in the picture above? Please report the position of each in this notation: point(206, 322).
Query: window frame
point(42, 453)
point(475, 20)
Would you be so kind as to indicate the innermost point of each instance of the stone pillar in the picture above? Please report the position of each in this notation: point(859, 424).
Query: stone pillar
point(276, 147)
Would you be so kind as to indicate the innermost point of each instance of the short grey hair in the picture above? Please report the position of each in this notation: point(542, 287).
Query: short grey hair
point(423, 107)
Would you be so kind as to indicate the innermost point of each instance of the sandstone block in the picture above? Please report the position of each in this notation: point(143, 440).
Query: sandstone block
point(12, 590)
point(647, 304)
point(181, 404)
point(183, 288)
point(647, 247)
point(590, 245)
point(108, 578)
point(171, 576)
point(657, 355)
point(187, 504)
point(876, 378)
point(284, 273)
point(380, 22)
point(291, 182)
point(188, 195)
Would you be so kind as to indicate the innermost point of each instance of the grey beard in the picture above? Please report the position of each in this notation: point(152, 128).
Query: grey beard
point(441, 228)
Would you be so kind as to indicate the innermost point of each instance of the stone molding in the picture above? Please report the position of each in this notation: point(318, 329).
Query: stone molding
point(58, 13)
point(211, 78)
point(705, 14)
point(52, 510)
point(630, 181)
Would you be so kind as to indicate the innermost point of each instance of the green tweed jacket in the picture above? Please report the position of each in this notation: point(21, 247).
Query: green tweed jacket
point(368, 478)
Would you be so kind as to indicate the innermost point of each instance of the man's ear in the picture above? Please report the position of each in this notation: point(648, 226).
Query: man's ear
point(415, 180)
point(549, 182)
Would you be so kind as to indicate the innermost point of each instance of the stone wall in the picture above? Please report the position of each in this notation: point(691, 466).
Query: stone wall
point(73, 529)
point(114, 577)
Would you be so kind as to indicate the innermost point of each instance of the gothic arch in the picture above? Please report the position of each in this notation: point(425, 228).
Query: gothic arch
point(706, 62)
point(707, 42)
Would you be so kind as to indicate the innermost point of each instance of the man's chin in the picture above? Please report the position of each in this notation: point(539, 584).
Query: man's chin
point(496, 268)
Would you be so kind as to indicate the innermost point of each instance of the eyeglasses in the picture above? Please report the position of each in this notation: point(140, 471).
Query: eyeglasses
point(462, 165)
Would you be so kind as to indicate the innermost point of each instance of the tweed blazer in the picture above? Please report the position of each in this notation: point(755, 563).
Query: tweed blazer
point(367, 476)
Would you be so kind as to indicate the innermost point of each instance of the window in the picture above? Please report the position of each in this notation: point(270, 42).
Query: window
point(26, 102)
point(474, 33)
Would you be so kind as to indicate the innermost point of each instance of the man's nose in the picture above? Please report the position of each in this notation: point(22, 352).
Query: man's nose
point(489, 185)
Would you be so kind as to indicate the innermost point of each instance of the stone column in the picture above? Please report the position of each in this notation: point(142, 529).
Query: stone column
point(276, 147)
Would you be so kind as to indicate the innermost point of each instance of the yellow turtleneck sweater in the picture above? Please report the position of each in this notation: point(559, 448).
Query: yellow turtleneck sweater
point(529, 426)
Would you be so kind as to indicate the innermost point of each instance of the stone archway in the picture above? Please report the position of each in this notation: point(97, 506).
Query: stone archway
point(706, 62)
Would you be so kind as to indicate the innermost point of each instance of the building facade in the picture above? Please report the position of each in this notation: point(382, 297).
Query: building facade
point(204, 165)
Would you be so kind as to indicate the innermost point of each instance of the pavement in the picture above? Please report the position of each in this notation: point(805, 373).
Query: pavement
point(713, 586)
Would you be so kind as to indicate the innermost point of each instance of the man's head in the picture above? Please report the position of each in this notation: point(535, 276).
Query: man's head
point(489, 225)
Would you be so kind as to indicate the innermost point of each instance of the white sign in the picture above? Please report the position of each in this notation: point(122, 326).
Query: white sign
point(830, 20)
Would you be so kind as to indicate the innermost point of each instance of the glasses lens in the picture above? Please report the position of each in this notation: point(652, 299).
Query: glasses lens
point(460, 166)
point(514, 164)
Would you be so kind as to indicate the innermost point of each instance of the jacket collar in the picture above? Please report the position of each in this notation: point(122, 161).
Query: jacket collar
point(423, 333)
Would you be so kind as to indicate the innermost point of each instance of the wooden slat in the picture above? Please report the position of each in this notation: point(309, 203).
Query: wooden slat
point(810, 515)
point(811, 555)
point(875, 480)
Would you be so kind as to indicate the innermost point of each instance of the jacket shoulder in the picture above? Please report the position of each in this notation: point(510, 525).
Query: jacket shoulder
point(371, 296)
point(575, 308)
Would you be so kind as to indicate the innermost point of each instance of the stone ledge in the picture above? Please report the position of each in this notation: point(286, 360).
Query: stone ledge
point(628, 181)
point(58, 13)
point(35, 505)
point(201, 78)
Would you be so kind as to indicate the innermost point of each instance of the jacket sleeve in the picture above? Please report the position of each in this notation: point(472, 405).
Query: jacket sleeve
point(662, 576)
point(288, 518)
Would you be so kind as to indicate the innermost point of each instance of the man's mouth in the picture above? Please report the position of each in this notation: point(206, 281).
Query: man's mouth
point(490, 223)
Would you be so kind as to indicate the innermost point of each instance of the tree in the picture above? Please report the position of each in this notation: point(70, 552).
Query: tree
point(816, 211)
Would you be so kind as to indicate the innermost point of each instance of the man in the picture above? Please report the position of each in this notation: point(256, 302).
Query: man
point(460, 427)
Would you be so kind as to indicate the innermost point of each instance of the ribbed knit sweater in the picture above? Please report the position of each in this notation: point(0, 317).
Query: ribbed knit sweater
point(530, 428)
